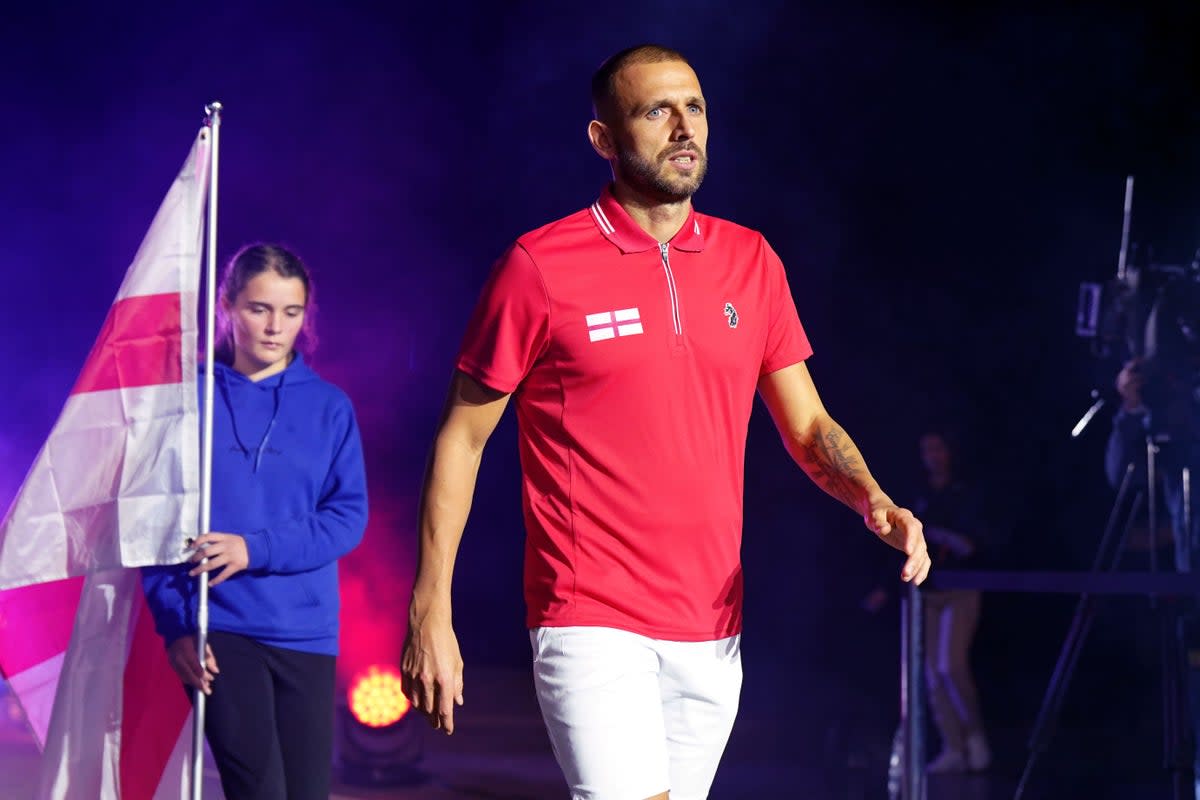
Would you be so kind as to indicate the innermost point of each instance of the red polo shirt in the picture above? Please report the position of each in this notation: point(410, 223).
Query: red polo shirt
point(634, 367)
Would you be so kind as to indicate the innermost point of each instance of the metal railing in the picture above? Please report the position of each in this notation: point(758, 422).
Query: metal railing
point(1178, 759)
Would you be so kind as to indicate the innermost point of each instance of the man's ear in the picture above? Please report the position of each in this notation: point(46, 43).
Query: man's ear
point(600, 135)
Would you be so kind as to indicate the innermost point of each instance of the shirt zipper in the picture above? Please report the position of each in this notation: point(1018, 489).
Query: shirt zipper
point(664, 249)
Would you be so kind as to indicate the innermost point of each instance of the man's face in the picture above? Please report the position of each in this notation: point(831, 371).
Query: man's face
point(660, 130)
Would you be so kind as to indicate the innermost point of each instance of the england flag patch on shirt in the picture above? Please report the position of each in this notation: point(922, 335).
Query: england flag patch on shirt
point(610, 324)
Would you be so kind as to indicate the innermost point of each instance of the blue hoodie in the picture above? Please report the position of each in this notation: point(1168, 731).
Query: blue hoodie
point(288, 477)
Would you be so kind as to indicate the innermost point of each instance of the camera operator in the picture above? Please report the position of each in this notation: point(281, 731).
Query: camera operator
point(1160, 402)
point(1158, 391)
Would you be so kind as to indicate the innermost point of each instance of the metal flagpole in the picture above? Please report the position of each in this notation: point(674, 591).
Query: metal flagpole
point(213, 121)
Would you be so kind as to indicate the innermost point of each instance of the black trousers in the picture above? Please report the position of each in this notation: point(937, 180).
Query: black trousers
point(269, 720)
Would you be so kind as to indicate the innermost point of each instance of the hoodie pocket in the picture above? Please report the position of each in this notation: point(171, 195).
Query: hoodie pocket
point(305, 592)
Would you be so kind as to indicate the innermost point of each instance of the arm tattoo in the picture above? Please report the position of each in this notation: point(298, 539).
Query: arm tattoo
point(832, 461)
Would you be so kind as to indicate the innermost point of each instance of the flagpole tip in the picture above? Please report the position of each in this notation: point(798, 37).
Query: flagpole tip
point(213, 110)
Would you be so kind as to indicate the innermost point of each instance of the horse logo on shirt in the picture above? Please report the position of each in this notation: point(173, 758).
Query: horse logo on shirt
point(731, 312)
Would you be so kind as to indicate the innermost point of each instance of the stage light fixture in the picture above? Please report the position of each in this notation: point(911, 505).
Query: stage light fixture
point(376, 698)
point(379, 742)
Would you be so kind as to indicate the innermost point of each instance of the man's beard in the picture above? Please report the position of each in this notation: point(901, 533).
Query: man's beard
point(647, 176)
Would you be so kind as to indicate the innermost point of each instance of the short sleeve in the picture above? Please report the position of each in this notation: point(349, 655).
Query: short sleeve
point(510, 326)
point(787, 343)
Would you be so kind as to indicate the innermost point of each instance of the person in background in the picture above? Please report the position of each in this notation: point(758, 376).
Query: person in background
point(950, 510)
point(1159, 402)
point(288, 500)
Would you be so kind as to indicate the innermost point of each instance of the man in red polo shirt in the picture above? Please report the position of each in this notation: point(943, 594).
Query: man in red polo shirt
point(633, 336)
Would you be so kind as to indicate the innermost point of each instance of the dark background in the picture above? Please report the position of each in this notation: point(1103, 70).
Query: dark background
point(938, 180)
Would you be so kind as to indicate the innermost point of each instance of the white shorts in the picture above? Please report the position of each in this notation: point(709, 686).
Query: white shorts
point(630, 717)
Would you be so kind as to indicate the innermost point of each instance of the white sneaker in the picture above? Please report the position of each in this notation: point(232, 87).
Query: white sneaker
point(979, 755)
point(948, 761)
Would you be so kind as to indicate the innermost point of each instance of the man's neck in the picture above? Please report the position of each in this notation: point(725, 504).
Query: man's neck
point(660, 220)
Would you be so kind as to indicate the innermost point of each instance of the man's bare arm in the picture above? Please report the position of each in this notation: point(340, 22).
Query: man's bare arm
point(815, 441)
point(830, 458)
point(432, 664)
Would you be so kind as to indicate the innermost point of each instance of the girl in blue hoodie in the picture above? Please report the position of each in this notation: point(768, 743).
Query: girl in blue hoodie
point(288, 499)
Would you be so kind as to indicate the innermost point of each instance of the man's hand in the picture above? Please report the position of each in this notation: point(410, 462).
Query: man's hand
point(216, 550)
point(899, 528)
point(182, 655)
point(432, 670)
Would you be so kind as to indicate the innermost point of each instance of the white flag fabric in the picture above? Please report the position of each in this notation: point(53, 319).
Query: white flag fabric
point(116, 485)
point(119, 726)
point(117, 482)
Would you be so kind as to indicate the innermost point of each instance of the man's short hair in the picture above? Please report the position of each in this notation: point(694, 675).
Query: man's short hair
point(603, 91)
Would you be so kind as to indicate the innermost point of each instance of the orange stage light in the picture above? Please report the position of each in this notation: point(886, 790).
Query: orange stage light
point(375, 697)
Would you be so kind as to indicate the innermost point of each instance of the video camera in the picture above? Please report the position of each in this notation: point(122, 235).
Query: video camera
point(1150, 312)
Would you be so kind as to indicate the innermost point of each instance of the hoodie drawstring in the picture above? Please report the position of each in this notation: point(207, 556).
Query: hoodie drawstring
point(262, 445)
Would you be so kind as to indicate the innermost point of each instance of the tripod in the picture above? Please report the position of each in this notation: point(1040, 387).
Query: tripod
point(1178, 744)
